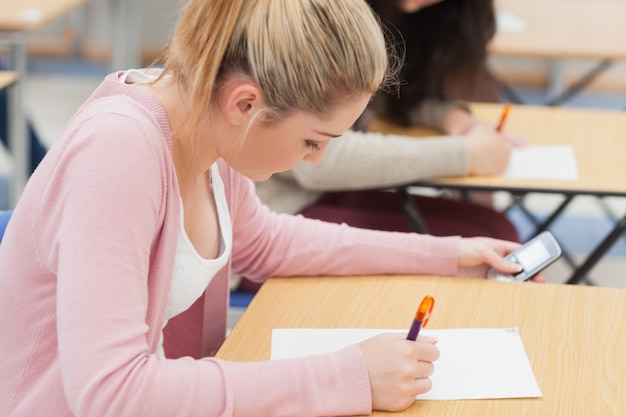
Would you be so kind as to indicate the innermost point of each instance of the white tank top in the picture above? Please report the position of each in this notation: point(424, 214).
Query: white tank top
point(193, 273)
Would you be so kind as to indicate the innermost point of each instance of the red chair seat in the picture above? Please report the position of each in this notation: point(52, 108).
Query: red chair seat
point(381, 210)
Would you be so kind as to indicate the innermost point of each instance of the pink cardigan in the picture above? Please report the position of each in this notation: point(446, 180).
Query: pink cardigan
point(86, 265)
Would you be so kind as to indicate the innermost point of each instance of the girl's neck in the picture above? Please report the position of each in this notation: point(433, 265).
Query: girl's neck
point(190, 161)
point(193, 149)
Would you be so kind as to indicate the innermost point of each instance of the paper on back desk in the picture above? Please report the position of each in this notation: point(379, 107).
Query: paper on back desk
point(510, 22)
point(544, 162)
point(474, 363)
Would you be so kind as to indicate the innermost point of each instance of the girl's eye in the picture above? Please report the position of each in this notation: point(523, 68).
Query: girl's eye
point(312, 145)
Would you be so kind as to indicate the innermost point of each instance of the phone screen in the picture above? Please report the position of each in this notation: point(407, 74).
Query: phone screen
point(533, 256)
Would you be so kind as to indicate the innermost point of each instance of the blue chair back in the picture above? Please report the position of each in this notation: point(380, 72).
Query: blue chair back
point(4, 220)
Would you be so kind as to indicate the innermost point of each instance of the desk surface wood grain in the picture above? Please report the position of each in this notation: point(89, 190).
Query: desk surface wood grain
point(575, 336)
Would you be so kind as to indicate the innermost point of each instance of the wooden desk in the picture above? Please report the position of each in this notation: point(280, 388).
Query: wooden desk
point(30, 15)
point(18, 18)
point(564, 29)
point(7, 79)
point(560, 30)
point(575, 336)
point(598, 138)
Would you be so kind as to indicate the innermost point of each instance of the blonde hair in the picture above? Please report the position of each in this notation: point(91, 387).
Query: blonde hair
point(305, 55)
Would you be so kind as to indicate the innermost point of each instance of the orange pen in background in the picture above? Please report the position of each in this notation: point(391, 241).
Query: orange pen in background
point(505, 113)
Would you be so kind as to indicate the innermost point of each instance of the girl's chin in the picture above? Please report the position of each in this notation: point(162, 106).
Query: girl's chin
point(261, 176)
point(257, 177)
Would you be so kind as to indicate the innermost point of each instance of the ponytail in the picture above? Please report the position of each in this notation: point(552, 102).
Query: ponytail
point(195, 53)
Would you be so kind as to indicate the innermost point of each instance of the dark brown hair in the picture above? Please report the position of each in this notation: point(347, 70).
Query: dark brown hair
point(442, 44)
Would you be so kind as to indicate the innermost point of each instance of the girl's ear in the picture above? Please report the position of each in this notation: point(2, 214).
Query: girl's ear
point(242, 101)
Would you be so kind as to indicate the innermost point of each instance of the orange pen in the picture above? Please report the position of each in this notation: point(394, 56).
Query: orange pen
point(421, 317)
point(505, 113)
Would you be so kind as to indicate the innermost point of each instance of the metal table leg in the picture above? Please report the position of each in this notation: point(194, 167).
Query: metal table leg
point(18, 132)
point(412, 212)
point(125, 34)
point(598, 252)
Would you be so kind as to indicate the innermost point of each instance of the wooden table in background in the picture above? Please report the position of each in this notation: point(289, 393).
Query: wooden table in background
point(561, 30)
point(31, 15)
point(575, 336)
point(7, 79)
point(597, 136)
point(564, 29)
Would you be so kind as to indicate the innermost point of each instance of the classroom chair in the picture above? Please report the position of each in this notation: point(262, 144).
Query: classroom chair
point(4, 220)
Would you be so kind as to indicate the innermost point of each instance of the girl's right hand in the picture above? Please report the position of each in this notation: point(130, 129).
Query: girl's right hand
point(398, 369)
point(488, 151)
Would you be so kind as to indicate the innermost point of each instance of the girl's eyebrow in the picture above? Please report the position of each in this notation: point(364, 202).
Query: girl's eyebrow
point(331, 135)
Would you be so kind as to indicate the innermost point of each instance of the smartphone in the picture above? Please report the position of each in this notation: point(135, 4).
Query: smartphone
point(534, 256)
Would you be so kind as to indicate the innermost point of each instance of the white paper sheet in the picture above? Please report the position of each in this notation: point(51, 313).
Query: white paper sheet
point(554, 162)
point(474, 363)
point(509, 22)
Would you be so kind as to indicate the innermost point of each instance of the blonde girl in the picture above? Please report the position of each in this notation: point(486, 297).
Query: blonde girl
point(116, 261)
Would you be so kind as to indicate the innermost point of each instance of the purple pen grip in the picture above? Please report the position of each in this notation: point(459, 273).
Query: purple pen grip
point(414, 330)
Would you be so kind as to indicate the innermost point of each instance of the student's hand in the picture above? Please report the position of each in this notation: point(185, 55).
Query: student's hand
point(539, 278)
point(488, 151)
point(398, 369)
point(459, 122)
point(478, 254)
